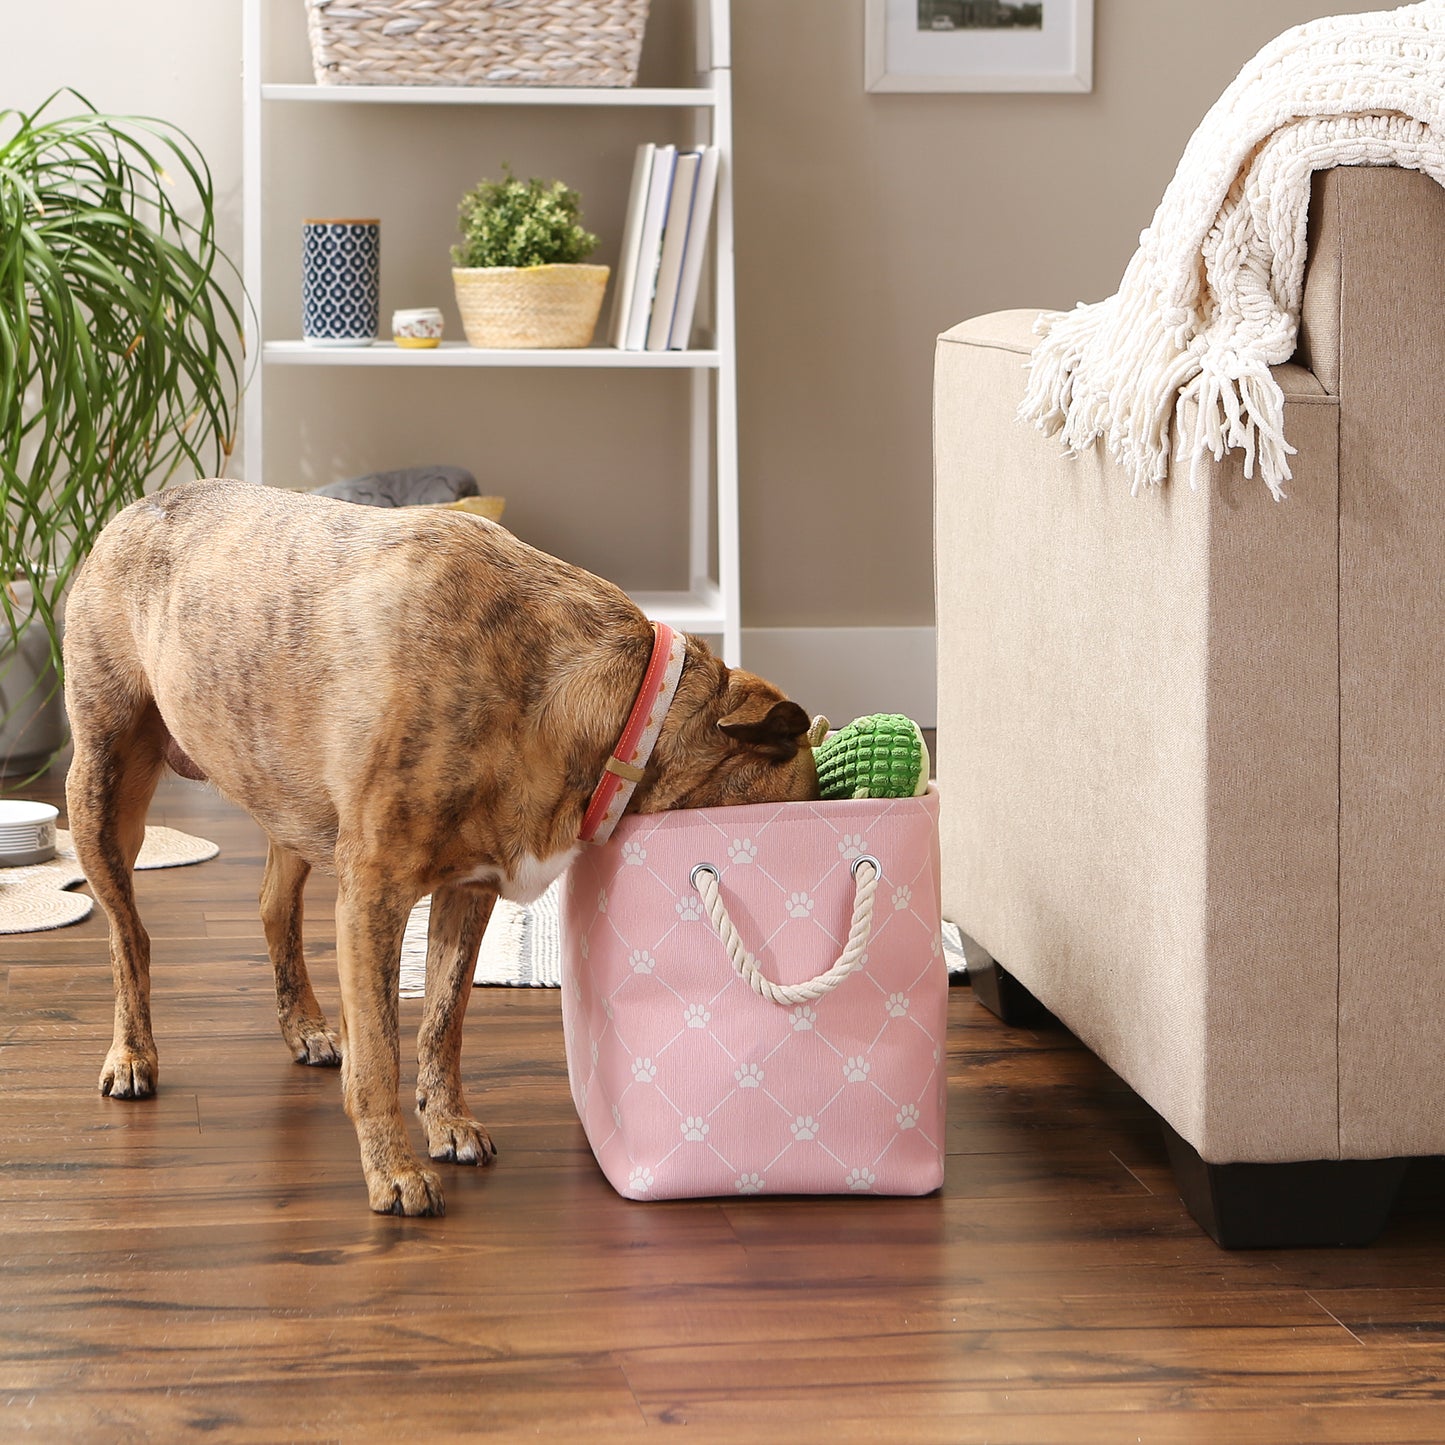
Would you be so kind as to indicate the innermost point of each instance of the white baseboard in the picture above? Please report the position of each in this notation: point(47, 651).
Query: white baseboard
point(848, 672)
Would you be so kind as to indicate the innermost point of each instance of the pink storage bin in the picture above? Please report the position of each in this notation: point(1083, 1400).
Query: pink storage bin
point(815, 1079)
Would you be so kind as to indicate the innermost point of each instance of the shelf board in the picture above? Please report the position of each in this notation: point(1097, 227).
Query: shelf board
point(700, 611)
point(695, 96)
point(458, 353)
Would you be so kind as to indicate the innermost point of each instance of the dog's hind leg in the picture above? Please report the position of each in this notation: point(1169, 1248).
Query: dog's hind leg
point(119, 754)
point(371, 913)
point(458, 919)
point(303, 1025)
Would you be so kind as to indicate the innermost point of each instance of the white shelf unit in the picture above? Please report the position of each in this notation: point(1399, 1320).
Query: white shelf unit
point(458, 353)
point(711, 603)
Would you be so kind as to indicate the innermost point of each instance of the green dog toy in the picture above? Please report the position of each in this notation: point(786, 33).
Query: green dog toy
point(879, 756)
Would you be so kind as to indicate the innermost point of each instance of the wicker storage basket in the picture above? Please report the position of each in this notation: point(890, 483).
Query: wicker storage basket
point(553, 306)
point(476, 42)
point(489, 507)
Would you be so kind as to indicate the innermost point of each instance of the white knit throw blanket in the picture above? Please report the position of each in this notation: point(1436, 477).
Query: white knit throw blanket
point(1211, 299)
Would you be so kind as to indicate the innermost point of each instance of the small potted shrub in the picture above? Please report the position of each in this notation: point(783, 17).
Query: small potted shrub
point(518, 272)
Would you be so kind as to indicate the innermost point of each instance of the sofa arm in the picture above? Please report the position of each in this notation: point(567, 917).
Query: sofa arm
point(1013, 332)
point(1137, 722)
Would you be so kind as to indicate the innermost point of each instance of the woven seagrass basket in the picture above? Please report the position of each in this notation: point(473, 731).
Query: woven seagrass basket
point(552, 306)
point(489, 507)
point(476, 42)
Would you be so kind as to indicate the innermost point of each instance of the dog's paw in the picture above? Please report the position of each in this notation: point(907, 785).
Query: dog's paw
point(311, 1042)
point(458, 1139)
point(416, 1192)
point(129, 1073)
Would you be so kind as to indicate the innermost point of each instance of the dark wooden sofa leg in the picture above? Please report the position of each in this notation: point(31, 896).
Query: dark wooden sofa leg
point(1241, 1206)
point(998, 990)
point(1286, 1206)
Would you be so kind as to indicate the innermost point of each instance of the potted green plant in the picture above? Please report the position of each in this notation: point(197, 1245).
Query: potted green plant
point(518, 272)
point(119, 364)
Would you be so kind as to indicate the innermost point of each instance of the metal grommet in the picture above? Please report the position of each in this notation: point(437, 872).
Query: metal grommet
point(703, 868)
point(866, 858)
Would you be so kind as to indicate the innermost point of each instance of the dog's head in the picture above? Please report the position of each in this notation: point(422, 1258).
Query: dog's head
point(730, 738)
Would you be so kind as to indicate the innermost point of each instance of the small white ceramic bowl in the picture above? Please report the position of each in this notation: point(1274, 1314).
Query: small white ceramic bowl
point(27, 833)
point(418, 329)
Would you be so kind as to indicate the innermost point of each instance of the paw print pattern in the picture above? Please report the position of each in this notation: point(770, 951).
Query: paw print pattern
point(602, 900)
point(695, 1129)
point(640, 1181)
point(856, 1069)
point(596, 1050)
point(902, 897)
point(852, 845)
point(634, 853)
point(644, 1070)
point(750, 1184)
point(608, 1010)
point(897, 1005)
point(585, 948)
point(805, 1128)
point(742, 850)
point(800, 905)
point(804, 1017)
point(642, 961)
point(908, 1117)
point(616, 1117)
point(689, 909)
point(860, 1181)
point(696, 1016)
point(750, 1076)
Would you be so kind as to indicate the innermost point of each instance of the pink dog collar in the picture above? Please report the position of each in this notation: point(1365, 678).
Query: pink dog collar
point(625, 768)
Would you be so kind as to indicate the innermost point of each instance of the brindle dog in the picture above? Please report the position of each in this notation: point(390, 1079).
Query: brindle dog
point(412, 699)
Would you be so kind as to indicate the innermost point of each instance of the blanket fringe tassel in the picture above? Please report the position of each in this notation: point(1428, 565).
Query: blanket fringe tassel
point(1236, 402)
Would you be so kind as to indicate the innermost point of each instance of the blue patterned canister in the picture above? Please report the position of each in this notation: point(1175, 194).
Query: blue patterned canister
point(340, 282)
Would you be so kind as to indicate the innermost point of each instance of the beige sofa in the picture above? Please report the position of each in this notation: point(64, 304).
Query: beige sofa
point(1191, 743)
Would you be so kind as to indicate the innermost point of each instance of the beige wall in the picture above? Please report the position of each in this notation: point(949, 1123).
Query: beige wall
point(865, 225)
point(868, 223)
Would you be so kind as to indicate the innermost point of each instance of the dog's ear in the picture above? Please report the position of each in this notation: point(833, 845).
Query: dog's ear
point(777, 729)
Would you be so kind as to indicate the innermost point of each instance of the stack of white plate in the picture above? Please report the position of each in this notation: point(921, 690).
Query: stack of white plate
point(27, 833)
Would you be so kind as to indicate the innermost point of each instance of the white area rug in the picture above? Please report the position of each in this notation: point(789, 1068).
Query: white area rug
point(36, 897)
point(953, 948)
point(522, 947)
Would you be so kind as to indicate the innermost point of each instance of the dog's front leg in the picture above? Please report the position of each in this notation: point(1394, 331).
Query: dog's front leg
point(371, 914)
point(458, 919)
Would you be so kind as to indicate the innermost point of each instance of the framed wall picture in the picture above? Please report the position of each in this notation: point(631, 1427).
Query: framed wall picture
point(979, 45)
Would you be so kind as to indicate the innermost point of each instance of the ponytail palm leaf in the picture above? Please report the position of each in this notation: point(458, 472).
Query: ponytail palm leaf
point(118, 344)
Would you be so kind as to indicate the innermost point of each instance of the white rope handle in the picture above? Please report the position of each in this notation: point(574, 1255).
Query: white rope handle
point(866, 873)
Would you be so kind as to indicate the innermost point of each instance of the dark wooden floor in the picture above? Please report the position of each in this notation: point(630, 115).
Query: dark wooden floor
point(204, 1263)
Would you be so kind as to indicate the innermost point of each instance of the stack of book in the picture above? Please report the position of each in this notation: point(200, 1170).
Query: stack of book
point(663, 243)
